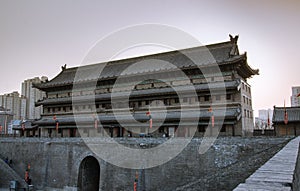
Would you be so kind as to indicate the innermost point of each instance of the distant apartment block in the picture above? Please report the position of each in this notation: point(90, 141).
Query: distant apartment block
point(23, 106)
point(5, 118)
point(264, 114)
point(264, 119)
point(33, 95)
point(14, 103)
point(295, 98)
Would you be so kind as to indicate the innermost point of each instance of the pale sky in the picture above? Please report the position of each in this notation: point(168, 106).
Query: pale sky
point(37, 37)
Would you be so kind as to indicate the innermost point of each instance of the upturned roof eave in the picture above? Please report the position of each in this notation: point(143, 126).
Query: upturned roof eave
point(89, 119)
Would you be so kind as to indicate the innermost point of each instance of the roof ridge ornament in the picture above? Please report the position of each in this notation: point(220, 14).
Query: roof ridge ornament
point(234, 50)
point(233, 40)
point(64, 67)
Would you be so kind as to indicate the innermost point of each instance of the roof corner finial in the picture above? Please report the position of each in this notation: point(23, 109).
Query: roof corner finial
point(64, 67)
point(234, 39)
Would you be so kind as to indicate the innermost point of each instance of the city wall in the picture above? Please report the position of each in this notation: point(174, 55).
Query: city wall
point(55, 163)
point(280, 173)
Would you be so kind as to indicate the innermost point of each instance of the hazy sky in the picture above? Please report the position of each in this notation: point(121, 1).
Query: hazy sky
point(39, 36)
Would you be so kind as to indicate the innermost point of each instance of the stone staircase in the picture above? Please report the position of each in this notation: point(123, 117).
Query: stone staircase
point(7, 174)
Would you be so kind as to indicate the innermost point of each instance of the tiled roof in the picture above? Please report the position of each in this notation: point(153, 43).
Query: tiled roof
point(145, 92)
point(292, 112)
point(230, 113)
point(27, 125)
point(4, 111)
point(221, 54)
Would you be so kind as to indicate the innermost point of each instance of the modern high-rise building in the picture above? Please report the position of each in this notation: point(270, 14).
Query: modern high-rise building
point(265, 114)
point(23, 106)
point(295, 98)
point(264, 119)
point(6, 117)
point(15, 103)
point(33, 95)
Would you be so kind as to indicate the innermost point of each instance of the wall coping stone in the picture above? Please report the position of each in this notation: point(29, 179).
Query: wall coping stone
point(277, 173)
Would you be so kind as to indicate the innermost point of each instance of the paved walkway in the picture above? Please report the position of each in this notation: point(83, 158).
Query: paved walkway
point(277, 173)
